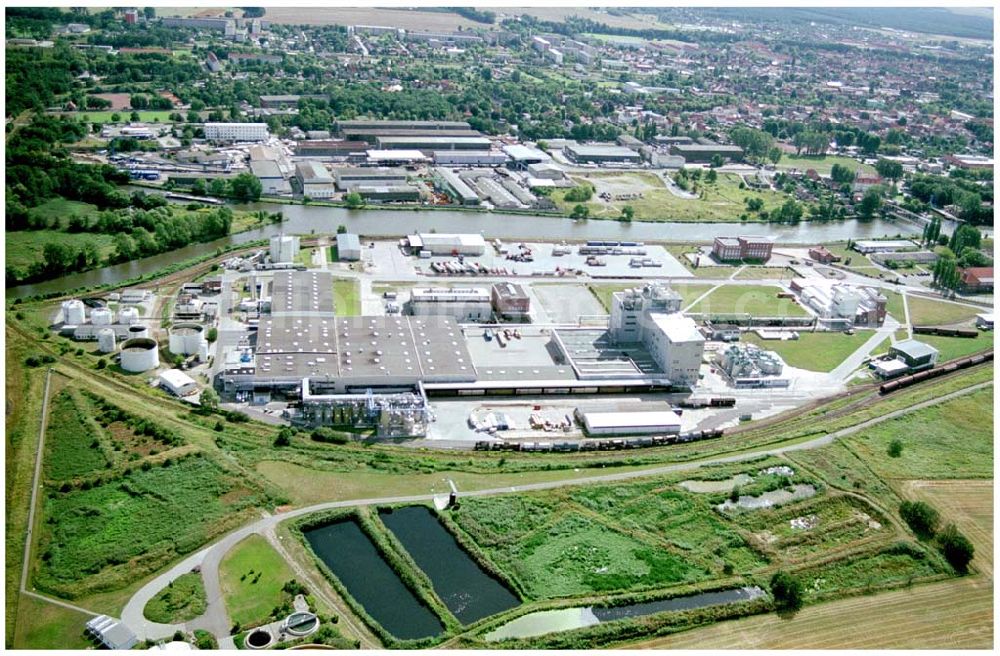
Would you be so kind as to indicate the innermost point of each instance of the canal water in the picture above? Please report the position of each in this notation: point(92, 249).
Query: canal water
point(313, 219)
point(351, 556)
point(468, 591)
point(564, 619)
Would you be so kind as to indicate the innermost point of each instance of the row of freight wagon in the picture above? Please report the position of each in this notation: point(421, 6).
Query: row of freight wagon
point(946, 332)
point(714, 402)
point(617, 444)
point(919, 377)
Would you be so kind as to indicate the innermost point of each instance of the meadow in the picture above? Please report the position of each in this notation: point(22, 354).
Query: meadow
point(252, 576)
point(182, 600)
point(929, 312)
point(749, 299)
point(950, 348)
point(814, 351)
point(72, 445)
point(347, 297)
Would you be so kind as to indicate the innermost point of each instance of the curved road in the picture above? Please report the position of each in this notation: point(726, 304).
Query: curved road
point(216, 619)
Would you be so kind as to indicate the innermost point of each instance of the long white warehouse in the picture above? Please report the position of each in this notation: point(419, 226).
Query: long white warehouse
point(630, 423)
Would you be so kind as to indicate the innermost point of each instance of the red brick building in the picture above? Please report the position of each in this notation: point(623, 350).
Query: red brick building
point(977, 279)
point(823, 256)
point(729, 249)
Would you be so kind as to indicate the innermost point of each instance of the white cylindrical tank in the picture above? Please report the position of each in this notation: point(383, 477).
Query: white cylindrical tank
point(128, 315)
point(137, 330)
point(140, 354)
point(186, 337)
point(73, 312)
point(102, 317)
point(284, 248)
point(106, 340)
point(203, 351)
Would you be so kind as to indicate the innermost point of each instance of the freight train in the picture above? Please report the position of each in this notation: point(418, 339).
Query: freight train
point(617, 444)
point(919, 377)
point(945, 332)
point(716, 402)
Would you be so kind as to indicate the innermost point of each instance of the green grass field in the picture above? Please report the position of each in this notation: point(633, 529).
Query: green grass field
point(71, 443)
point(765, 273)
point(603, 291)
point(823, 164)
point(347, 298)
point(894, 306)
point(929, 312)
point(61, 208)
point(184, 599)
point(42, 625)
point(957, 347)
point(753, 299)
point(146, 116)
point(722, 200)
point(813, 351)
point(24, 247)
point(252, 575)
point(951, 440)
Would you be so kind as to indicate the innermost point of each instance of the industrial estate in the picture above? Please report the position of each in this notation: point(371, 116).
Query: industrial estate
point(499, 328)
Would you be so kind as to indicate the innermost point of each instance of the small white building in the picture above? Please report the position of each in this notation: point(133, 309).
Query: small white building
point(284, 248)
point(236, 131)
point(984, 321)
point(348, 247)
point(631, 423)
point(462, 304)
point(882, 246)
point(177, 382)
point(447, 244)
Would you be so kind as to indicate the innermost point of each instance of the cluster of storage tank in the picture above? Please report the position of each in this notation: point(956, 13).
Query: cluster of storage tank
point(189, 339)
point(140, 354)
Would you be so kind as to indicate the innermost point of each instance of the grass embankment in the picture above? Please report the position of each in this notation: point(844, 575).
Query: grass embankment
point(929, 312)
point(603, 291)
point(252, 575)
point(814, 351)
point(347, 298)
point(823, 164)
point(950, 348)
point(182, 600)
point(721, 201)
point(756, 300)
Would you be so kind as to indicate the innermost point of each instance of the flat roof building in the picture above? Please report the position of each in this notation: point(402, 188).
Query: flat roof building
point(462, 304)
point(387, 193)
point(236, 131)
point(364, 124)
point(510, 301)
point(447, 244)
point(431, 144)
point(601, 153)
point(177, 382)
point(302, 294)
point(349, 178)
point(314, 179)
point(630, 423)
point(695, 152)
point(273, 183)
point(521, 156)
point(449, 182)
point(348, 247)
point(917, 355)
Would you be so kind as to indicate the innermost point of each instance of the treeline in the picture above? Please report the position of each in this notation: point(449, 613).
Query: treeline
point(939, 191)
point(574, 25)
point(37, 22)
point(473, 14)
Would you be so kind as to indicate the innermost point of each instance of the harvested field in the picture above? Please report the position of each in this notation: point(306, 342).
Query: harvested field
point(409, 19)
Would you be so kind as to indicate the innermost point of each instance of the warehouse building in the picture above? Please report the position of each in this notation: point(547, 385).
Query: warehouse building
point(315, 180)
point(601, 154)
point(521, 157)
point(350, 178)
point(448, 182)
point(510, 301)
point(468, 304)
point(843, 306)
point(396, 157)
point(868, 246)
point(387, 193)
point(904, 357)
point(703, 153)
point(431, 144)
point(348, 247)
point(663, 422)
point(236, 131)
point(284, 248)
point(469, 158)
point(111, 633)
point(272, 182)
point(300, 294)
point(372, 136)
point(177, 383)
point(330, 149)
point(446, 244)
point(344, 126)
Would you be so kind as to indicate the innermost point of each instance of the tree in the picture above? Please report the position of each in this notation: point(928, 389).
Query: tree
point(787, 591)
point(920, 517)
point(354, 200)
point(628, 213)
point(246, 188)
point(134, 117)
point(284, 437)
point(895, 449)
point(889, 169)
point(116, 117)
point(580, 194)
point(965, 235)
point(210, 398)
point(193, 116)
point(755, 204)
point(149, 12)
point(341, 229)
point(774, 155)
point(213, 334)
point(716, 161)
point(790, 212)
point(957, 549)
point(199, 188)
point(841, 174)
point(711, 176)
point(218, 187)
point(580, 212)
point(869, 204)
point(756, 144)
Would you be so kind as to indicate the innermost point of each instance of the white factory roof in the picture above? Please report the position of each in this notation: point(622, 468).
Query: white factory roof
point(176, 378)
point(677, 327)
point(395, 155)
point(598, 420)
point(889, 367)
point(519, 151)
point(462, 239)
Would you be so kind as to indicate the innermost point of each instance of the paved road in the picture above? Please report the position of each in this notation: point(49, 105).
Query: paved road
point(216, 619)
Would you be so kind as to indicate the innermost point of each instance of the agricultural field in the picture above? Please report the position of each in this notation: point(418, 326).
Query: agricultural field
point(821, 351)
point(688, 292)
point(749, 299)
point(109, 532)
point(721, 201)
point(929, 312)
point(347, 297)
point(950, 440)
point(252, 576)
point(823, 164)
point(444, 21)
point(184, 599)
point(967, 503)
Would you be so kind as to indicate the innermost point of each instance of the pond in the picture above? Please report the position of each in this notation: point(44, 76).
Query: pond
point(770, 499)
point(564, 619)
point(354, 560)
point(465, 588)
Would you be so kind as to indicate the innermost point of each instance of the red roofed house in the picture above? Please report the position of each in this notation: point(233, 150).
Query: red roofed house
point(865, 181)
point(822, 255)
point(977, 279)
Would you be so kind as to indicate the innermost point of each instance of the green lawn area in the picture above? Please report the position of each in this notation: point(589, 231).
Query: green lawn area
point(765, 273)
point(821, 163)
point(42, 625)
point(146, 116)
point(62, 209)
point(753, 299)
point(252, 576)
point(346, 298)
point(894, 306)
point(688, 292)
point(950, 440)
point(813, 351)
point(305, 256)
point(848, 257)
point(722, 200)
point(957, 347)
point(331, 253)
point(24, 247)
point(929, 312)
point(184, 599)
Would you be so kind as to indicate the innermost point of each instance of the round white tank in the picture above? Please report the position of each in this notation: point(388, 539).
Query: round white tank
point(128, 315)
point(140, 354)
point(106, 340)
point(203, 351)
point(73, 312)
point(185, 338)
point(137, 330)
point(102, 317)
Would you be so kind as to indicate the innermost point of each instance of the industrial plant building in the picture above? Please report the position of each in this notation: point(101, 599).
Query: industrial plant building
point(315, 180)
point(429, 144)
point(446, 244)
point(733, 249)
point(748, 365)
point(510, 301)
point(348, 247)
point(284, 248)
point(471, 304)
point(843, 306)
point(448, 182)
point(350, 178)
point(601, 154)
point(236, 131)
point(704, 153)
point(905, 357)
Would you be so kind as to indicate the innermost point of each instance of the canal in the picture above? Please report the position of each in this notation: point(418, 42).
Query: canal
point(354, 560)
point(469, 592)
point(313, 219)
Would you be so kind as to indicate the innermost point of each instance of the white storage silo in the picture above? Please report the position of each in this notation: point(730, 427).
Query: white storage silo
point(284, 248)
point(140, 354)
point(102, 317)
point(128, 315)
point(106, 340)
point(203, 351)
point(73, 312)
point(186, 337)
point(137, 330)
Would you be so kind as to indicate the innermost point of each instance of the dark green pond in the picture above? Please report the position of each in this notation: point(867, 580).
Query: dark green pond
point(352, 557)
point(465, 588)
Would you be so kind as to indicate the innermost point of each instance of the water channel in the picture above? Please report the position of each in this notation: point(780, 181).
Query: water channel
point(564, 619)
point(353, 558)
point(469, 592)
point(308, 219)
